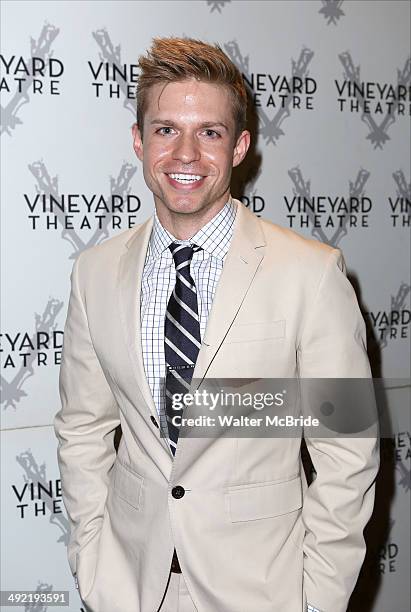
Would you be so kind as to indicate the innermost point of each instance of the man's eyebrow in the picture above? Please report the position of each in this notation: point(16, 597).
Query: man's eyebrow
point(204, 124)
point(162, 122)
point(209, 124)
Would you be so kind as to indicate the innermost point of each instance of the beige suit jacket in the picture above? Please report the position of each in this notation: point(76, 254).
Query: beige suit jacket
point(249, 534)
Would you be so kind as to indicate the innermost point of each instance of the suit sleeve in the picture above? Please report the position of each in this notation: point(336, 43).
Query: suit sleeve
point(84, 426)
point(339, 502)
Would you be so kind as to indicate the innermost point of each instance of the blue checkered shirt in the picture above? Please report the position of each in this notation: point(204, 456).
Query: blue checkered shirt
point(159, 277)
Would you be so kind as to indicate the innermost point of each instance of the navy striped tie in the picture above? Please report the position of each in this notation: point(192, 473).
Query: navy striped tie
point(182, 338)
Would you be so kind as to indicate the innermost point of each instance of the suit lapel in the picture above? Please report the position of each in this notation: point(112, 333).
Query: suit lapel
point(130, 274)
point(240, 266)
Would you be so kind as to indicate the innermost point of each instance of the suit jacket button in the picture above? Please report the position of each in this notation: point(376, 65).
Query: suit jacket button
point(153, 420)
point(177, 492)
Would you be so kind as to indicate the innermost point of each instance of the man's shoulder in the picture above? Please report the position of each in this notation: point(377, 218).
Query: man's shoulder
point(294, 245)
point(109, 250)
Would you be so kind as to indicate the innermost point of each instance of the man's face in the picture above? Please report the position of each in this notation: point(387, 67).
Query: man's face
point(189, 147)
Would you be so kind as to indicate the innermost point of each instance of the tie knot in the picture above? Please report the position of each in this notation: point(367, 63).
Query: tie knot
point(182, 254)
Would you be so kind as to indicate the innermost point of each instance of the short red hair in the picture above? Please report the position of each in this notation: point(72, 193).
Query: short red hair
point(178, 59)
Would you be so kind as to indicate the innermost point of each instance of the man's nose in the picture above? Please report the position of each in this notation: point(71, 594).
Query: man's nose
point(186, 149)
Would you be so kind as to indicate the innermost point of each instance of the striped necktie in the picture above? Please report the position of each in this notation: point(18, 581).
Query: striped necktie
point(182, 338)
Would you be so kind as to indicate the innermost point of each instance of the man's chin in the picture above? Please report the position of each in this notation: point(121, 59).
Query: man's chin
point(184, 205)
point(185, 208)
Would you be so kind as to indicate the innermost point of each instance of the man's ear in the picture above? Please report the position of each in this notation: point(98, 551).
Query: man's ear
point(241, 147)
point(137, 141)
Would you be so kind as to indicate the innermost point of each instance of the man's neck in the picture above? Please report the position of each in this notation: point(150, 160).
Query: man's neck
point(185, 226)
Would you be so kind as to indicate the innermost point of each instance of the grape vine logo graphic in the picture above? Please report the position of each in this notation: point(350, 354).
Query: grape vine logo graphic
point(399, 452)
point(400, 205)
point(111, 77)
point(373, 99)
point(392, 324)
point(329, 216)
point(41, 348)
point(282, 93)
point(331, 11)
point(77, 213)
point(39, 595)
point(217, 5)
point(40, 496)
point(42, 587)
point(38, 75)
point(404, 475)
point(399, 447)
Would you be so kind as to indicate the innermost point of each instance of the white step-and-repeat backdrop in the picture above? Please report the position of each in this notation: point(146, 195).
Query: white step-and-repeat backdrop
point(331, 84)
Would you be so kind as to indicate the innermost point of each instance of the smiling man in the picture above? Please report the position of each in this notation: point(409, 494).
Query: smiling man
point(193, 135)
point(204, 289)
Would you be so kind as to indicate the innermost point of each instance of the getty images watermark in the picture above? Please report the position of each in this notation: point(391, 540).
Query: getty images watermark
point(228, 399)
point(285, 407)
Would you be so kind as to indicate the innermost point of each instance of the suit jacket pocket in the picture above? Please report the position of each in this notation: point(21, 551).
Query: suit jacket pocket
point(259, 330)
point(263, 500)
point(127, 484)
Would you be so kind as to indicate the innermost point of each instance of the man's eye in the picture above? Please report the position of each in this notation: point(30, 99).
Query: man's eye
point(165, 130)
point(211, 134)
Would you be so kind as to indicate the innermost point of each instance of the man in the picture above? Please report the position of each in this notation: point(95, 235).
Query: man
point(205, 289)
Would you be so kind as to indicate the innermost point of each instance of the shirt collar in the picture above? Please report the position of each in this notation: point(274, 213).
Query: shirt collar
point(214, 237)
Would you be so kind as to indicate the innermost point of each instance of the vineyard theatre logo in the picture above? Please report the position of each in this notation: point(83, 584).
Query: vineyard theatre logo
point(42, 589)
point(79, 213)
point(217, 5)
point(388, 553)
point(373, 100)
point(39, 496)
point(404, 473)
point(112, 78)
point(329, 216)
point(402, 441)
point(393, 324)
point(254, 202)
point(331, 11)
point(250, 197)
point(40, 74)
point(397, 449)
point(24, 351)
point(277, 93)
point(400, 204)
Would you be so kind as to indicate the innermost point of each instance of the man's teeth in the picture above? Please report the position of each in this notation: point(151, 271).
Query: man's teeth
point(185, 178)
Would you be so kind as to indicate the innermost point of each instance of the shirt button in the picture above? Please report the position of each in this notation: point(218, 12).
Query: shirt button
point(177, 492)
point(153, 420)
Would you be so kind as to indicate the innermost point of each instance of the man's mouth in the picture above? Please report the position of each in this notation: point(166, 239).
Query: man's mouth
point(185, 179)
